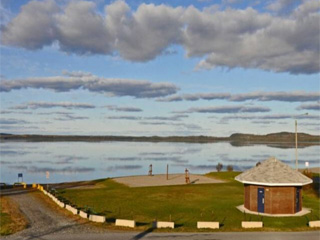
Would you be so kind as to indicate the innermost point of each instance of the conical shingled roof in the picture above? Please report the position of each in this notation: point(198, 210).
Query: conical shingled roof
point(273, 172)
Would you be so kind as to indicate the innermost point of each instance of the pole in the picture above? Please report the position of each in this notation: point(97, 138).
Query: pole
point(167, 171)
point(296, 127)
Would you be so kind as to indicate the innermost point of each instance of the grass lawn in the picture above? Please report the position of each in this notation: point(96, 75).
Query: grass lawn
point(184, 204)
point(11, 220)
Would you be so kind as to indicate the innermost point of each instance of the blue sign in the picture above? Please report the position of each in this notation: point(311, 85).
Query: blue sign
point(20, 175)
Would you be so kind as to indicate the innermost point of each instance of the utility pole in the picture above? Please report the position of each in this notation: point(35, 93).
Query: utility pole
point(296, 128)
point(167, 171)
point(296, 136)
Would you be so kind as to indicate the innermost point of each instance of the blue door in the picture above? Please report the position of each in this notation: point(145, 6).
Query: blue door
point(297, 199)
point(261, 200)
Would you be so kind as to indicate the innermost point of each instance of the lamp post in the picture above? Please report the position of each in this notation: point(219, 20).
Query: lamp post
point(296, 137)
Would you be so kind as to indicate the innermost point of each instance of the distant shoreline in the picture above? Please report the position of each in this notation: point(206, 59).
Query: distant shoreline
point(285, 139)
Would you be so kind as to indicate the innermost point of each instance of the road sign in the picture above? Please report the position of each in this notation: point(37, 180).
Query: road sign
point(20, 175)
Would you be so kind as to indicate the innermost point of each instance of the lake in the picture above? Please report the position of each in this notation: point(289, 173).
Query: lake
point(76, 161)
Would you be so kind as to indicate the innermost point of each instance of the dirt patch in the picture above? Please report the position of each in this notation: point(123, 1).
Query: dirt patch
point(161, 180)
point(17, 220)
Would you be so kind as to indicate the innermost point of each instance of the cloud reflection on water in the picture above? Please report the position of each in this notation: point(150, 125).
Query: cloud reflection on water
point(76, 161)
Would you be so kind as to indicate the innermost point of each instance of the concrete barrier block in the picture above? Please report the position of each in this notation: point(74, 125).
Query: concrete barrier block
point(96, 218)
point(252, 224)
point(45, 192)
point(163, 224)
point(212, 225)
point(60, 204)
point(72, 209)
point(125, 223)
point(83, 214)
point(314, 224)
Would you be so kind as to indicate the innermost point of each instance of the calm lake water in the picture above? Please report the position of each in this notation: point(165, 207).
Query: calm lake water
point(75, 161)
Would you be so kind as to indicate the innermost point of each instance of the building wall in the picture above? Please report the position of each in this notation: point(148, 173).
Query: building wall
point(282, 200)
point(278, 200)
point(247, 196)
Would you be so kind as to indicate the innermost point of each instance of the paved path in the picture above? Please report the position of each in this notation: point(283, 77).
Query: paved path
point(182, 236)
point(161, 180)
point(46, 223)
point(304, 211)
point(15, 191)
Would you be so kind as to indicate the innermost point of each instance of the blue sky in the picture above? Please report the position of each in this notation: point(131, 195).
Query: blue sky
point(159, 67)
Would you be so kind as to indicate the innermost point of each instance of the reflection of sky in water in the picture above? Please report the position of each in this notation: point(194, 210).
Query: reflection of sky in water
point(74, 161)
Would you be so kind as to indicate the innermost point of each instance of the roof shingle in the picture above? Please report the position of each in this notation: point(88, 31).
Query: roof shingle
point(273, 172)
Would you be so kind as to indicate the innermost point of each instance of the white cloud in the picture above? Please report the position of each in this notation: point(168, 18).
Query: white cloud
point(227, 109)
point(67, 105)
point(144, 34)
point(82, 31)
point(110, 86)
point(272, 117)
point(195, 97)
point(308, 7)
point(282, 5)
point(33, 27)
point(5, 15)
point(293, 96)
point(123, 109)
point(310, 106)
point(12, 121)
point(228, 38)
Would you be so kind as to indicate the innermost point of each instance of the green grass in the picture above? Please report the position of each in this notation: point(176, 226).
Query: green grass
point(5, 223)
point(184, 204)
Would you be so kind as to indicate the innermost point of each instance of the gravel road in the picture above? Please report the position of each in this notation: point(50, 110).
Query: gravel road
point(49, 223)
point(193, 236)
point(44, 220)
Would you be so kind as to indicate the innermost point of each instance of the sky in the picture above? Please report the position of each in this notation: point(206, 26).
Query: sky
point(176, 67)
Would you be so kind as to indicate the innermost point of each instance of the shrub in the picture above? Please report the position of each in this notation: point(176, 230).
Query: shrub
point(230, 168)
point(219, 167)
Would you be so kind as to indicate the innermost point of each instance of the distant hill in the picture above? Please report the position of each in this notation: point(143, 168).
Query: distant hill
point(275, 137)
point(285, 139)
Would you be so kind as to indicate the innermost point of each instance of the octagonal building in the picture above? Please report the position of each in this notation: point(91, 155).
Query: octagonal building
point(273, 187)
